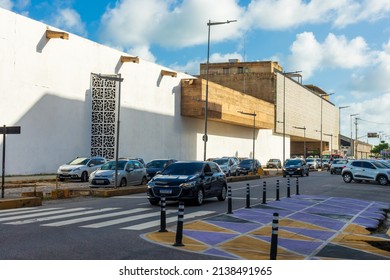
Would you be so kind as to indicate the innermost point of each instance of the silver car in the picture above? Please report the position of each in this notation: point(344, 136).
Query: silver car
point(130, 173)
point(80, 168)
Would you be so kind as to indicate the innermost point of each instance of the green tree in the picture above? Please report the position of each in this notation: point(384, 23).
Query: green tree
point(378, 148)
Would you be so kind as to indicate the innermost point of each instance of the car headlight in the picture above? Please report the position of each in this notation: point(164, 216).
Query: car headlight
point(188, 184)
point(151, 184)
point(299, 168)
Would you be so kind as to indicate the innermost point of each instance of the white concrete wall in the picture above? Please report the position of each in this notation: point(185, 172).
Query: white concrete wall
point(45, 88)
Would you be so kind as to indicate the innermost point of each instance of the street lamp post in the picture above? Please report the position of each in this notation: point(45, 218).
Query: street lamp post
point(351, 140)
point(340, 108)
point(209, 24)
point(254, 138)
point(304, 139)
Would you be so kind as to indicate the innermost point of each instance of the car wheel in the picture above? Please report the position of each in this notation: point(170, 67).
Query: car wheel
point(199, 197)
point(302, 173)
point(222, 195)
point(153, 202)
point(84, 177)
point(382, 180)
point(144, 181)
point(347, 177)
point(307, 174)
point(123, 183)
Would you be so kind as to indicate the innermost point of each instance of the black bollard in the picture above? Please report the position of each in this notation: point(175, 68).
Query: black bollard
point(274, 237)
point(248, 196)
point(297, 187)
point(277, 190)
point(179, 228)
point(288, 188)
point(163, 221)
point(229, 193)
point(264, 193)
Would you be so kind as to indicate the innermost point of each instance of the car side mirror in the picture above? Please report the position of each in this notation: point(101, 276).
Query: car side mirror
point(91, 165)
point(129, 169)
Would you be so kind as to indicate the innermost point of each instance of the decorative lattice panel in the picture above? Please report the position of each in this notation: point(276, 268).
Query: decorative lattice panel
point(104, 113)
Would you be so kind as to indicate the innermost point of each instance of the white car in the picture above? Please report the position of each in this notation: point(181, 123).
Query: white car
point(229, 165)
point(130, 172)
point(80, 168)
point(312, 163)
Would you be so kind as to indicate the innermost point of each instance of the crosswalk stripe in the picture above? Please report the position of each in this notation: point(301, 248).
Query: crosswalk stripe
point(75, 221)
point(40, 214)
point(16, 209)
point(168, 220)
point(22, 222)
point(25, 211)
point(126, 219)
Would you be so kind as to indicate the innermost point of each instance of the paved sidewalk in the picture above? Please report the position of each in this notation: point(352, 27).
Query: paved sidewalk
point(310, 227)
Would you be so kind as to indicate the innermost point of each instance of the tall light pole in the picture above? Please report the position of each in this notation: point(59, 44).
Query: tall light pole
point(209, 24)
point(340, 108)
point(254, 138)
point(284, 111)
point(304, 139)
point(351, 140)
point(321, 96)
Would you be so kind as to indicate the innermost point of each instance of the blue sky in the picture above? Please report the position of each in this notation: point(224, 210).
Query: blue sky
point(341, 46)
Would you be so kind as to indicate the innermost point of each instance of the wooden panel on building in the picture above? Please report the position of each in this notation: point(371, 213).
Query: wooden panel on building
point(224, 104)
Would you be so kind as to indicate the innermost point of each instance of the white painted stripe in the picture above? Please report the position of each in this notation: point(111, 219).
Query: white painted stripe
point(126, 219)
point(40, 214)
point(75, 221)
point(25, 211)
point(16, 209)
point(61, 216)
point(168, 220)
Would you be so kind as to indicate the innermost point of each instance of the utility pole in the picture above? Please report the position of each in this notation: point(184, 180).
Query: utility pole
point(356, 133)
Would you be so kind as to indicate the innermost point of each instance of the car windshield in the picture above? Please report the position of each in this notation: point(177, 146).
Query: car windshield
point(309, 160)
point(293, 162)
point(184, 168)
point(79, 161)
point(221, 161)
point(340, 161)
point(379, 164)
point(273, 160)
point(156, 164)
point(111, 165)
point(246, 161)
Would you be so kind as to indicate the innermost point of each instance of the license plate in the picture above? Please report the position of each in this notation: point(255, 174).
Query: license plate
point(165, 191)
point(290, 172)
point(99, 181)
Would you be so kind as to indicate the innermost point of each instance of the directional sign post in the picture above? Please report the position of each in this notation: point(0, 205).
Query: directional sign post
point(6, 130)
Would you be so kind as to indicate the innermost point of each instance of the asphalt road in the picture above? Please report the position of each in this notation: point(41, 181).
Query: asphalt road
point(112, 228)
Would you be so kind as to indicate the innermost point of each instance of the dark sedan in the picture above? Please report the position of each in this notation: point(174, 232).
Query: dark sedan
point(295, 167)
point(156, 165)
point(246, 166)
point(191, 181)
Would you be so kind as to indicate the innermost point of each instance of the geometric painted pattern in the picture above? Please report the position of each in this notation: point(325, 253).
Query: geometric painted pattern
point(309, 228)
point(103, 130)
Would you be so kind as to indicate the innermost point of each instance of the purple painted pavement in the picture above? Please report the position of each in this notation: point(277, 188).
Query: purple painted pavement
point(210, 238)
point(318, 220)
point(238, 227)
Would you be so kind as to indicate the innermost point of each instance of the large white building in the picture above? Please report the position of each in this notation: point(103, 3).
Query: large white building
point(63, 90)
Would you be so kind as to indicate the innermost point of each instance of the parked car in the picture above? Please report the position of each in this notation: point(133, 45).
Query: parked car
point(229, 165)
point(337, 166)
point(367, 170)
point(192, 181)
point(311, 163)
point(295, 166)
point(156, 165)
point(274, 163)
point(130, 172)
point(246, 166)
point(319, 162)
point(80, 168)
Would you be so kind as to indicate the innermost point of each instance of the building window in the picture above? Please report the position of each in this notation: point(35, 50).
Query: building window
point(240, 70)
point(225, 71)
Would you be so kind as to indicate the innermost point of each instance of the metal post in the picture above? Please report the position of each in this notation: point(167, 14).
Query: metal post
point(297, 187)
point(274, 237)
point(179, 228)
point(248, 196)
point(277, 190)
point(288, 188)
point(264, 193)
point(3, 166)
point(163, 222)
point(229, 193)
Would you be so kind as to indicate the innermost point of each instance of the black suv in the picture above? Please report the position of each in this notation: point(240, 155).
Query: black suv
point(295, 167)
point(188, 180)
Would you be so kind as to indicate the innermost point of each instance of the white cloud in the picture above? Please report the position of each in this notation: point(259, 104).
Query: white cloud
point(6, 4)
point(310, 55)
point(69, 19)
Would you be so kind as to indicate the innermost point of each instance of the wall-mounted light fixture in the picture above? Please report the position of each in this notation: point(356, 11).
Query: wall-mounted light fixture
point(51, 34)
